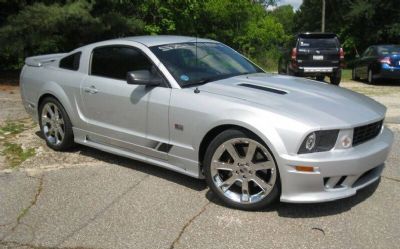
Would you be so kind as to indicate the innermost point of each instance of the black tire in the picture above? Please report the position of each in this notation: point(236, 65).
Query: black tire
point(354, 75)
point(336, 78)
point(320, 77)
point(371, 77)
point(68, 140)
point(223, 137)
point(288, 71)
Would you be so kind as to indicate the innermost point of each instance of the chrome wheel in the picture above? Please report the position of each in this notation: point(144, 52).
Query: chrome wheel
point(243, 170)
point(52, 124)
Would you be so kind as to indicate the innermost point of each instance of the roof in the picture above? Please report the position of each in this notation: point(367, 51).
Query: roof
point(316, 35)
point(156, 40)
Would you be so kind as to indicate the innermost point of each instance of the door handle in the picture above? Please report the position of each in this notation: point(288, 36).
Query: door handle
point(91, 90)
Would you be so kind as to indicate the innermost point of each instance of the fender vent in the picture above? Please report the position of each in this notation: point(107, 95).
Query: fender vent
point(264, 88)
point(164, 147)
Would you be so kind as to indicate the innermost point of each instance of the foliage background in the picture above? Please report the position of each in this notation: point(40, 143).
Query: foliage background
point(251, 26)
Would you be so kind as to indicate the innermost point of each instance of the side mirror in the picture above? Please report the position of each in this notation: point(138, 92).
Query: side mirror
point(143, 77)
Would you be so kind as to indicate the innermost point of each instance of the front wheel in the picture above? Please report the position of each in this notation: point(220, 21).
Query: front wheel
point(241, 171)
point(336, 78)
point(55, 125)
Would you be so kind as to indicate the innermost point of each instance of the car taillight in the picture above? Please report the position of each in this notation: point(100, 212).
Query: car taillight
point(294, 54)
point(385, 60)
point(341, 53)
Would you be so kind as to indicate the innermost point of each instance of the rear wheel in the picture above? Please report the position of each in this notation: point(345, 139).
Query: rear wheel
point(320, 77)
point(370, 78)
point(55, 125)
point(336, 78)
point(288, 72)
point(241, 171)
point(354, 74)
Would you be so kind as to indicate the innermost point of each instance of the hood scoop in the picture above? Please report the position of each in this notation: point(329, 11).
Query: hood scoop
point(263, 88)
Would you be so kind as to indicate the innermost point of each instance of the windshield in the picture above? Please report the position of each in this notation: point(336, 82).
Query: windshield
point(318, 43)
point(201, 62)
point(389, 50)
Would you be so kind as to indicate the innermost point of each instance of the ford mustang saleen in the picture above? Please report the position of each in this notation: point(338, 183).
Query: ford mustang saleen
point(198, 107)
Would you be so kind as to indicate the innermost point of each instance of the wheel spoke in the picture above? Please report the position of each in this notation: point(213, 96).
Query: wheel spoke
point(50, 111)
point(60, 132)
point(45, 119)
point(261, 183)
point(245, 191)
point(56, 113)
point(263, 165)
point(228, 183)
point(232, 151)
point(223, 166)
point(250, 152)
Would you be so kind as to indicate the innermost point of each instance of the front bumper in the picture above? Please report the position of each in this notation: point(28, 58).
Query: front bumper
point(338, 173)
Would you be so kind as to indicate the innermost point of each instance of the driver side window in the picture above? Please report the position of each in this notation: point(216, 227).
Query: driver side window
point(116, 61)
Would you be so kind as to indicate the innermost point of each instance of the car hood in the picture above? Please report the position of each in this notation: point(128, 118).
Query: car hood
point(316, 103)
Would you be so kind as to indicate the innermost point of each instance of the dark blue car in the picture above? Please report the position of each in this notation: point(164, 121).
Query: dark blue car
point(378, 62)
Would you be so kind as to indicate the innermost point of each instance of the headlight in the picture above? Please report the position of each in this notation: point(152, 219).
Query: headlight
point(319, 141)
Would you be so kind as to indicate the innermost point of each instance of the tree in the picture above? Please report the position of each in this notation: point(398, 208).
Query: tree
point(38, 27)
point(358, 23)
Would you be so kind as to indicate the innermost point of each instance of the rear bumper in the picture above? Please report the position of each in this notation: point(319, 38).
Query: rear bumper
point(31, 109)
point(317, 69)
point(313, 71)
point(389, 73)
point(338, 173)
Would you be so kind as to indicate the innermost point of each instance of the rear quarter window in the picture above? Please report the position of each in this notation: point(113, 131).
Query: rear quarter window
point(71, 62)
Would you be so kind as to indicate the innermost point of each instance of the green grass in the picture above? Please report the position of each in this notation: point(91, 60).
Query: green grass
point(11, 128)
point(16, 155)
point(346, 74)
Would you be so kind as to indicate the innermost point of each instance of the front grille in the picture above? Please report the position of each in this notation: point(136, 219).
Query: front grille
point(366, 132)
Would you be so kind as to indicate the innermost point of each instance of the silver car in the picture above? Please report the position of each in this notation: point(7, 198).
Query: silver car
point(200, 108)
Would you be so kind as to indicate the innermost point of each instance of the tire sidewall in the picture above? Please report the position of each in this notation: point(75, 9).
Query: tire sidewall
point(68, 141)
point(218, 140)
point(336, 78)
point(370, 77)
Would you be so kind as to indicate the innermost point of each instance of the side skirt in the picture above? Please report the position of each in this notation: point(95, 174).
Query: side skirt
point(80, 138)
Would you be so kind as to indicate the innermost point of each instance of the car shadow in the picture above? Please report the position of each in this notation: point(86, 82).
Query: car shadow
point(289, 210)
point(312, 210)
point(171, 176)
point(186, 181)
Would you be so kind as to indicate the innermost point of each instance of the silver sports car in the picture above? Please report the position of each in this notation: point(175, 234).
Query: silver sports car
point(200, 108)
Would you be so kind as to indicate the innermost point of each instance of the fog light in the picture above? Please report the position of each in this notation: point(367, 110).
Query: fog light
point(310, 141)
point(346, 141)
point(304, 168)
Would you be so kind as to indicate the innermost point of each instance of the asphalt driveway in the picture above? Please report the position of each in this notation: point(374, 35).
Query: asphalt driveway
point(90, 199)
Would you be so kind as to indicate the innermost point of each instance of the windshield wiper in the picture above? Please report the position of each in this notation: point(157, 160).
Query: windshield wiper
point(207, 80)
point(199, 82)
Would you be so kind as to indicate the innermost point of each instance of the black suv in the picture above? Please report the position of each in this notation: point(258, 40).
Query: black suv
point(314, 55)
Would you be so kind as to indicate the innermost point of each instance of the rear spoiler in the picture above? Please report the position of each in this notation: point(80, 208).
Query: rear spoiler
point(39, 61)
point(316, 35)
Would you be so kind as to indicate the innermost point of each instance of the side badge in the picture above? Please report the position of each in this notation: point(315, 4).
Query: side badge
point(179, 127)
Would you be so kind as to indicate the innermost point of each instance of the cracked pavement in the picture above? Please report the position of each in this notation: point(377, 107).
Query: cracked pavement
point(90, 199)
